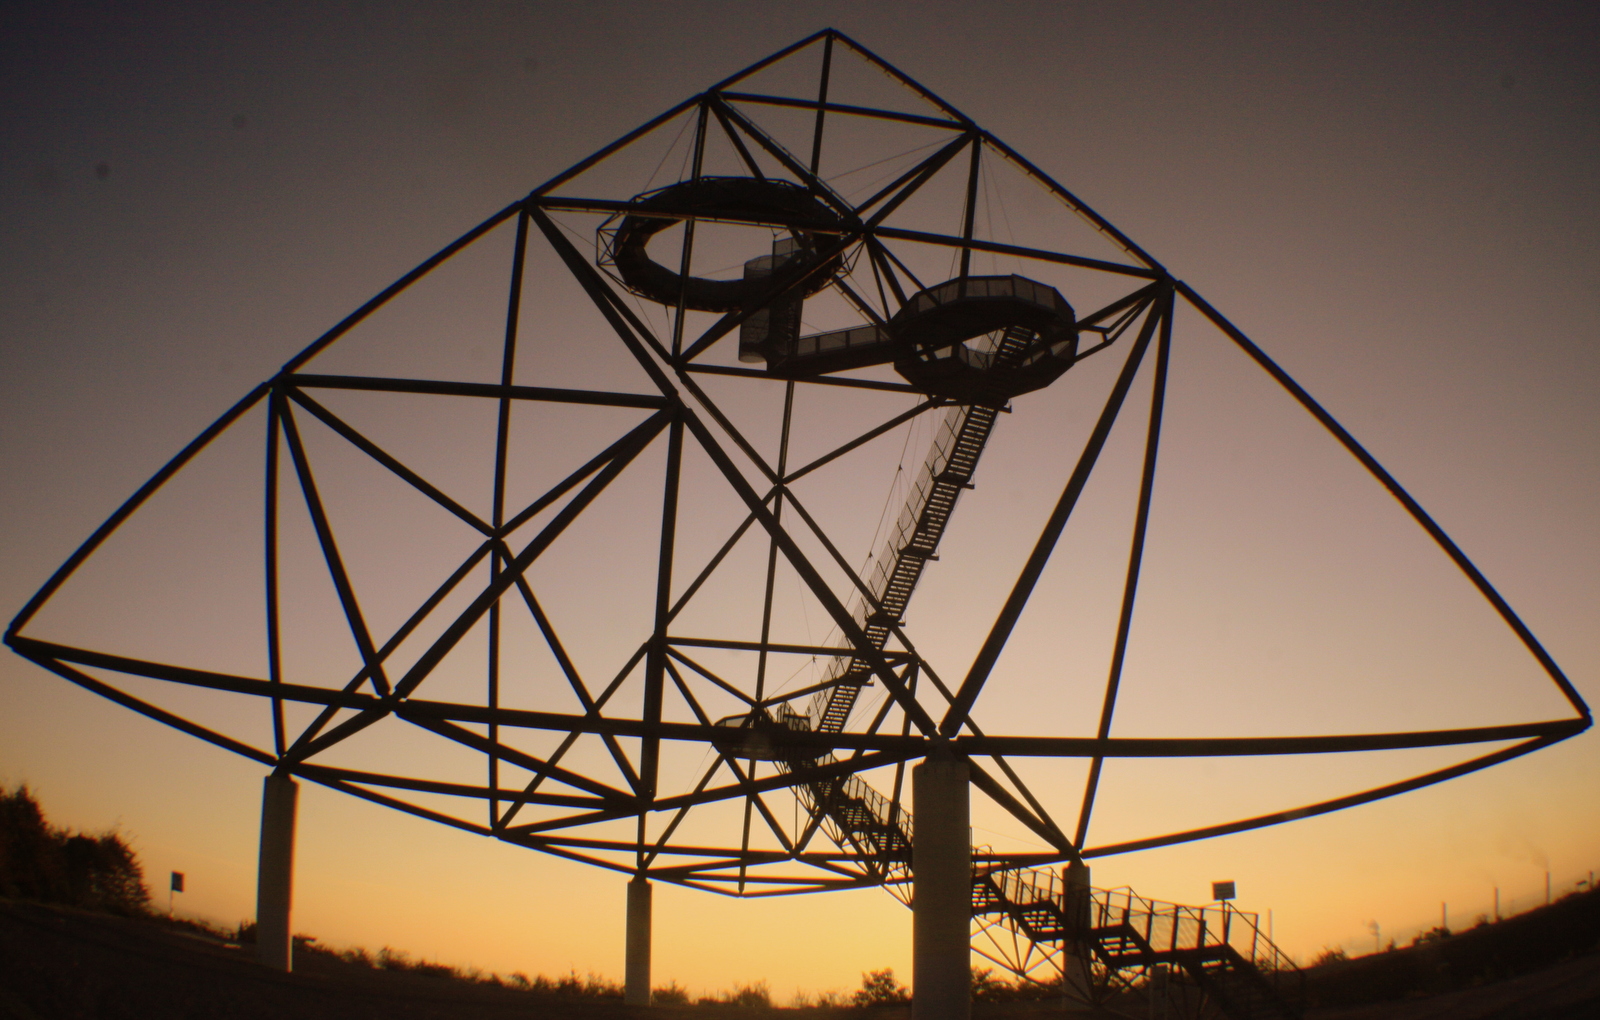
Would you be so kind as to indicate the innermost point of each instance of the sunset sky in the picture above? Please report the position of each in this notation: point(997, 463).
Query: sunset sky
point(1397, 202)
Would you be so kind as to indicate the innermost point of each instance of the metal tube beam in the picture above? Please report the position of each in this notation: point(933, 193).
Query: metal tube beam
point(845, 108)
point(484, 391)
point(819, 380)
point(1135, 560)
point(1388, 481)
point(382, 298)
point(822, 103)
point(1007, 619)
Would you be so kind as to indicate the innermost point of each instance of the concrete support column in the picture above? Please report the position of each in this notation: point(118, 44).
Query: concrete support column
point(637, 987)
point(941, 908)
point(275, 873)
point(1077, 984)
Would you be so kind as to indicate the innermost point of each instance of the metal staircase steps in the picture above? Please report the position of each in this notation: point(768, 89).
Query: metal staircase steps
point(1121, 931)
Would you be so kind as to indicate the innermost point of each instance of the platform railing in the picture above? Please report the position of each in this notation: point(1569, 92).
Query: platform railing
point(1165, 927)
point(889, 841)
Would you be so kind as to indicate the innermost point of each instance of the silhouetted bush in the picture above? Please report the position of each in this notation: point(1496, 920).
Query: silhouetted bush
point(394, 959)
point(828, 1000)
point(879, 988)
point(591, 987)
point(358, 957)
point(38, 862)
point(1438, 934)
point(755, 995)
point(986, 987)
point(672, 995)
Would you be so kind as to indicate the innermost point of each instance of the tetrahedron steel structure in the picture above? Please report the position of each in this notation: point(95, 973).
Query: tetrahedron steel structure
point(752, 264)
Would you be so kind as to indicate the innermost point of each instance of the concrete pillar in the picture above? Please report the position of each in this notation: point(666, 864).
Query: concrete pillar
point(941, 908)
point(637, 987)
point(275, 874)
point(1077, 984)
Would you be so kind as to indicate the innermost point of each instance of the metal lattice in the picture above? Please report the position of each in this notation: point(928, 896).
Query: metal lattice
point(630, 769)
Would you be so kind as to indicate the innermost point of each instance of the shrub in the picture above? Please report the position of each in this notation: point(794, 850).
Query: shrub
point(879, 988)
point(820, 1000)
point(38, 862)
point(358, 957)
point(102, 872)
point(1436, 934)
point(988, 988)
point(592, 987)
point(752, 995)
point(390, 958)
point(672, 995)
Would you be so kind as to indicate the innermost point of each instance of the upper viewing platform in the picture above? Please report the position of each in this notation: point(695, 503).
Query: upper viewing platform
point(982, 339)
point(753, 200)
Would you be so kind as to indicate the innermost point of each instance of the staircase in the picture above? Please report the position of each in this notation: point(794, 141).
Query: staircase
point(852, 812)
point(894, 574)
point(912, 541)
point(1219, 949)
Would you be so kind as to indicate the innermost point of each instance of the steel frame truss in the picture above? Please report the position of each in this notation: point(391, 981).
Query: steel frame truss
point(924, 711)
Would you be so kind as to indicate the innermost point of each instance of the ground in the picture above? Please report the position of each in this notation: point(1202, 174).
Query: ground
point(57, 962)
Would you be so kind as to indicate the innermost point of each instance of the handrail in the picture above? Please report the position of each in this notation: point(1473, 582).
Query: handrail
point(911, 536)
point(1176, 928)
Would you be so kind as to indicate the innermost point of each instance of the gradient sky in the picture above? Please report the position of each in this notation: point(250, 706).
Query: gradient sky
point(1398, 202)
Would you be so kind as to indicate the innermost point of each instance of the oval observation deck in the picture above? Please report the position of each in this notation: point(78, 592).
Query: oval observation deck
point(975, 339)
point(751, 200)
point(985, 339)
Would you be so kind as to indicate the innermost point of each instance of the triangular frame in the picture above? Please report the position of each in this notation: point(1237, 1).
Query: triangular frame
point(678, 411)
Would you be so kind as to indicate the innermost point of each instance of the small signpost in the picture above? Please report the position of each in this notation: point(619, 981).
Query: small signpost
point(175, 887)
point(1223, 892)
